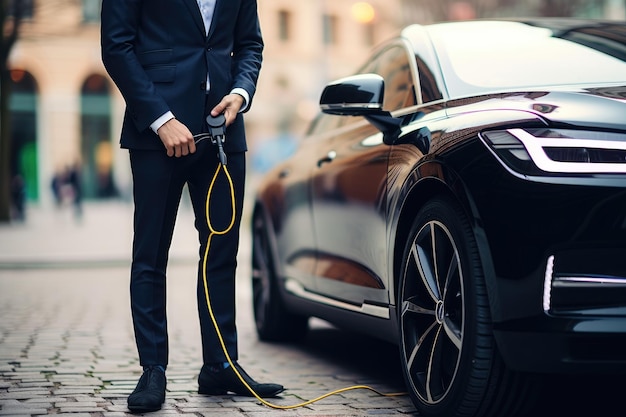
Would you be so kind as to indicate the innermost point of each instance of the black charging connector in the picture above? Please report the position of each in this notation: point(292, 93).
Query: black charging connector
point(217, 130)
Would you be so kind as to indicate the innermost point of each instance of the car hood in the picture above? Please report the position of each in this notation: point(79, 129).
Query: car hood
point(597, 106)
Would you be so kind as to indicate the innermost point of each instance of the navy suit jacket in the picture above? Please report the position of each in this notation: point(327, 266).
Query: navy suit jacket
point(158, 54)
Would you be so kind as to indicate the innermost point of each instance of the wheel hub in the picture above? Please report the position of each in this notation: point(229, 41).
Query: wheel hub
point(439, 312)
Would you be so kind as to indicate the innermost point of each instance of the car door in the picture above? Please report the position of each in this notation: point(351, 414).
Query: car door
point(348, 197)
point(288, 205)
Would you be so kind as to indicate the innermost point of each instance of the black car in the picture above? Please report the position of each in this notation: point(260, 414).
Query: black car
point(464, 196)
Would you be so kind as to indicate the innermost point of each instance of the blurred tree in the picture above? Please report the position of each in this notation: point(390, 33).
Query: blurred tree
point(11, 14)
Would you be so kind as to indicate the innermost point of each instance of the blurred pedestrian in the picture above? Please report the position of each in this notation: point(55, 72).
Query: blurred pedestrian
point(67, 190)
point(75, 184)
point(58, 179)
point(18, 197)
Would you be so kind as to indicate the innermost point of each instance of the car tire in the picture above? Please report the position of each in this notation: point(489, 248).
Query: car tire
point(272, 320)
point(450, 361)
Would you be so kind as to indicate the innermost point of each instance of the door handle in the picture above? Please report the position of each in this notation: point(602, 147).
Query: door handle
point(328, 158)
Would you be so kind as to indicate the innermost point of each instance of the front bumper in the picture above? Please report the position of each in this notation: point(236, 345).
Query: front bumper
point(582, 327)
point(564, 344)
point(589, 283)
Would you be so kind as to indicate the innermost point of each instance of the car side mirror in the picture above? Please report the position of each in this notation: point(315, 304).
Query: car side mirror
point(353, 96)
point(361, 95)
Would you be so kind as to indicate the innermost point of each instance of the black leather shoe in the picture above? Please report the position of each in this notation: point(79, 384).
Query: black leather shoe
point(221, 382)
point(149, 394)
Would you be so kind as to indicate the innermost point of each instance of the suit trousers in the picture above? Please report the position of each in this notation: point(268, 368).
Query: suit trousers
point(158, 183)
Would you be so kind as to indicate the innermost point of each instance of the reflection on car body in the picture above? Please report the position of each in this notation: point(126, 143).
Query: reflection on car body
point(462, 196)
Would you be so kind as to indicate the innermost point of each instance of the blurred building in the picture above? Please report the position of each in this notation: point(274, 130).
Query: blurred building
point(66, 112)
point(64, 109)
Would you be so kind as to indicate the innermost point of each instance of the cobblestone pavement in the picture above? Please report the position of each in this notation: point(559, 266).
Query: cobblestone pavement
point(67, 347)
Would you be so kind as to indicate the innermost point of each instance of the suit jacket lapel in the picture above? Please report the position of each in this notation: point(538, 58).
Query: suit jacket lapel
point(192, 5)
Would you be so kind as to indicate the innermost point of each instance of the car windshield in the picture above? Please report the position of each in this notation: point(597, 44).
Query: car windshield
point(485, 56)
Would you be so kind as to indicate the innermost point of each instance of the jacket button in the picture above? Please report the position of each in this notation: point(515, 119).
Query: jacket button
point(203, 85)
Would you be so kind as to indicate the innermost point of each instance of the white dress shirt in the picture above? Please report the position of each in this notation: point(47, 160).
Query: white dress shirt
point(207, 7)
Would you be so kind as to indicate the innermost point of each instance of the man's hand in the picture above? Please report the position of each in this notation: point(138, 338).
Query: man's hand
point(229, 106)
point(177, 139)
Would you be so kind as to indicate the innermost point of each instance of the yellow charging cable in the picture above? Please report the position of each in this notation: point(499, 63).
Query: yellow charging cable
point(217, 329)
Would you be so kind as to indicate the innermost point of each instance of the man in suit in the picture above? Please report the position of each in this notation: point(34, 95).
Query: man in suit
point(176, 61)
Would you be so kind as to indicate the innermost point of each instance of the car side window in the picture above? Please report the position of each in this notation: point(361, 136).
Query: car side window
point(393, 65)
point(325, 122)
point(426, 63)
point(428, 84)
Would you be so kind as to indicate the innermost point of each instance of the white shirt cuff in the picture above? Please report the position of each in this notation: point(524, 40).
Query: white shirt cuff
point(161, 121)
point(246, 97)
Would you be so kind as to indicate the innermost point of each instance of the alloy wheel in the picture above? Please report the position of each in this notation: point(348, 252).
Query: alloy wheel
point(432, 312)
point(261, 270)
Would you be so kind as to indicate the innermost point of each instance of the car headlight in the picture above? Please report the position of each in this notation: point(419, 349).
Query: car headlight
point(540, 151)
